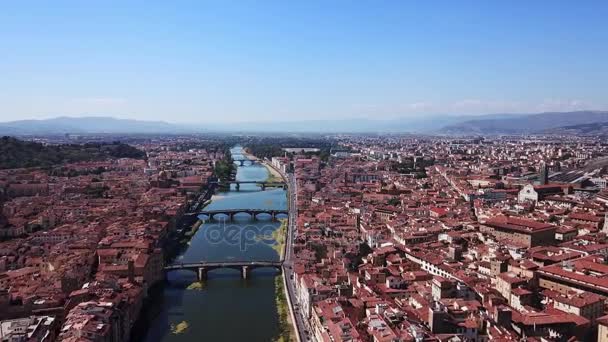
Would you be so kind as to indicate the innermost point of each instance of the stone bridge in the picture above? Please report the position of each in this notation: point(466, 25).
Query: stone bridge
point(261, 184)
point(201, 268)
point(242, 162)
point(253, 213)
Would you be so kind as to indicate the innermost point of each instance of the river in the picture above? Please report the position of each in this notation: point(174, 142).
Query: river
point(226, 308)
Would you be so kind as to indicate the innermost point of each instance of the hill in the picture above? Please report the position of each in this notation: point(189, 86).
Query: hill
point(412, 124)
point(15, 153)
point(595, 129)
point(62, 125)
point(530, 123)
point(92, 125)
point(447, 124)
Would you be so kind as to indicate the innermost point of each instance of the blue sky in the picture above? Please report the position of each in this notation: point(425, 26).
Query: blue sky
point(218, 61)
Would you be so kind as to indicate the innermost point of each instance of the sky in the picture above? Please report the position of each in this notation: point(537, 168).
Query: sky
point(231, 61)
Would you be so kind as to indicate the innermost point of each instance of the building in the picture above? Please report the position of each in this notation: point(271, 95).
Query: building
point(525, 232)
point(580, 303)
point(587, 274)
point(507, 283)
point(531, 193)
point(602, 330)
point(30, 329)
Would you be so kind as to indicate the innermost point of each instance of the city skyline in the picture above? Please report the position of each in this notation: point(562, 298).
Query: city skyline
point(212, 62)
point(313, 171)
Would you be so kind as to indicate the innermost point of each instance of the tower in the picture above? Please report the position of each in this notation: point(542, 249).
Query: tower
point(544, 173)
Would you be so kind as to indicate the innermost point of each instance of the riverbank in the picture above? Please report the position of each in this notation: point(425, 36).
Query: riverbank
point(286, 331)
point(279, 236)
point(224, 169)
point(175, 245)
point(194, 228)
point(273, 174)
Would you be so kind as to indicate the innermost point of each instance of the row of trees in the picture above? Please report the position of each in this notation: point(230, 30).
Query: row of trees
point(224, 168)
point(268, 147)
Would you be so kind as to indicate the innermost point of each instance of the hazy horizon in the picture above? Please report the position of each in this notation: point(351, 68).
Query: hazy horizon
point(223, 62)
point(289, 120)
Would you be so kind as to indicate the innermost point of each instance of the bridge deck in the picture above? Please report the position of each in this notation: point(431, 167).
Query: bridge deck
point(245, 210)
point(238, 211)
point(256, 211)
point(253, 182)
point(224, 264)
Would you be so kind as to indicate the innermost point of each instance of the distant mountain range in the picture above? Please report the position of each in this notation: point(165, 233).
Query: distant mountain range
point(530, 123)
point(94, 124)
point(62, 125)
point(443, 124)
point(425, 124)
point(596, 129)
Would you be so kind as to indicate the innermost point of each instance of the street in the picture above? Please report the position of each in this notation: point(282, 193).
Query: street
point(301, 322)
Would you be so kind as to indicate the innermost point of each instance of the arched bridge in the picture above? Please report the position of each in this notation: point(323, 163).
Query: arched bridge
point(201, 268)
point(242, 162)
point(261, 184)
point(252, 212)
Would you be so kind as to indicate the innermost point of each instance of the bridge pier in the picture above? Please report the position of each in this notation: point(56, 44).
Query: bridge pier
point(238, 186)
point(202, 274)
point(245, 272)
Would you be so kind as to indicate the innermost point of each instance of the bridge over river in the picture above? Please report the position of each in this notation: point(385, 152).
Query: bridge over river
point(231, 213)
point(243, 161)
point(201, 268)
point(225, 263)
point(262, 184)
